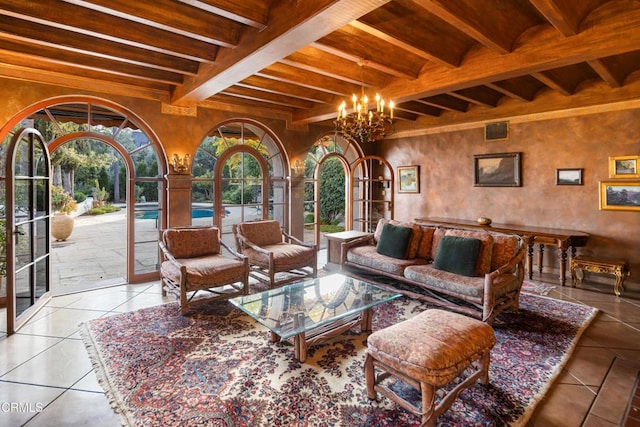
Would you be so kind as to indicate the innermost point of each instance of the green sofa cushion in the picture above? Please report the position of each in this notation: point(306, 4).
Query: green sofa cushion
point(458, 255)
point(394, 241)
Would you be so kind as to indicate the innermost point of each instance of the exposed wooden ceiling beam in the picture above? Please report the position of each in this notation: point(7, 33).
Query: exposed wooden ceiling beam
point(607, 74)
point(183, 19)
point(408, 46)
point(295, 91)
point(355, 45)
point(253, 14)
point(38, 71)
point(420, 108)
point(313, 59)
point(480, 95)
point(523, 88)
point(446, 102)
point(29, 36)
point(563, 18)
point(607, 36)
point(309, 79)
point(553, 83)
point(477, 23)
point(58, 14)
point(292, 27)
point(65, 62)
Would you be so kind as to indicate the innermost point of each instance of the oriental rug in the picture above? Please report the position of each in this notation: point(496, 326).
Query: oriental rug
point(218, 368)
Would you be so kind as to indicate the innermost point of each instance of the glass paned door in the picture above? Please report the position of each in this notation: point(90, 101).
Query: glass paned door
point(28, 260)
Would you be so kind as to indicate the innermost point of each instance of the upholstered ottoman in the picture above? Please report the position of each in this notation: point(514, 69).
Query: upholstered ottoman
point(429, 351)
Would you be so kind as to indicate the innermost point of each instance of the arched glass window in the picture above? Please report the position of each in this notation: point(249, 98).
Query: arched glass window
point(119, 161)
point(327, 168)
point(239, 172)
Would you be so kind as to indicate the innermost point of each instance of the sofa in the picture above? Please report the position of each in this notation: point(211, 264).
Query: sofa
point(475, 272)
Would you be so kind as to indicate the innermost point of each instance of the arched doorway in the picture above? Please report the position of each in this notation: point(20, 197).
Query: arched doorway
point(25, 253)
point(140, 170)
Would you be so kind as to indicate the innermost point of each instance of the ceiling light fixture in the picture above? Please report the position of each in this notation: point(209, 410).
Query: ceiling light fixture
point(365, 125)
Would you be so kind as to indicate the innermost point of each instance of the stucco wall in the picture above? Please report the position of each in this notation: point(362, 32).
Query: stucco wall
point(447, 179)
point(446, 161)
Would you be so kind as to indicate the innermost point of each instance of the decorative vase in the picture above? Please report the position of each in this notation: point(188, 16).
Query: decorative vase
point(483, 220)
point(61, 226)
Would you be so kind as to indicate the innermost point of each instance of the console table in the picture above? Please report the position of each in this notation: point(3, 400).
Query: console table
point(562, 239)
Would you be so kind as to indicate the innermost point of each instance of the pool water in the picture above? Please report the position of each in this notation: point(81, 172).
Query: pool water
point(195, 213)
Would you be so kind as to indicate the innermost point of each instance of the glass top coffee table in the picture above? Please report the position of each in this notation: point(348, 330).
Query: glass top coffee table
point(314, 310)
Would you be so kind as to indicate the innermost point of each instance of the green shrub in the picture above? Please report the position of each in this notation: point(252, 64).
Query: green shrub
point(331, 228)
point(103, 210)
point(79, 196)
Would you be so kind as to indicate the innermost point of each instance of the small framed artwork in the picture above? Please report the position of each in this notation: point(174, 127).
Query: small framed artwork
point(498, 170)
point(620, 195)
point(409, 179)
point(496, 131)
point(624, 167)
point(568, 176)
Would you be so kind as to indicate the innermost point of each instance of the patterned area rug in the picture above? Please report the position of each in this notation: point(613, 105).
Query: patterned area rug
point(218, 369)
point(538, 288)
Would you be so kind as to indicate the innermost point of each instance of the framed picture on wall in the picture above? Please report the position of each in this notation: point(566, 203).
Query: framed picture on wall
point(568, 176)
point(409, 179)
point(620, 195)
point(497, 170)
point(624, 167)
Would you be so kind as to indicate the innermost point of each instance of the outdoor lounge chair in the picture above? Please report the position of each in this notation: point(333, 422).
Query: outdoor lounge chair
point(192, 262)
point(275, 257)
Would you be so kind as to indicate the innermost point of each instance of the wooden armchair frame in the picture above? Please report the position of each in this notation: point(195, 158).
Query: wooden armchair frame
point(268, 260)
point(232, 281)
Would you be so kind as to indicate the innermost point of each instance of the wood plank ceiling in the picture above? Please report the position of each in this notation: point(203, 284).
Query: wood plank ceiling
point(439, 60)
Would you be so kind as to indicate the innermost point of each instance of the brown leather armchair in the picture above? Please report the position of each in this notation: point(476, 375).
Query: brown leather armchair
point(275, 257)
point(192, 263)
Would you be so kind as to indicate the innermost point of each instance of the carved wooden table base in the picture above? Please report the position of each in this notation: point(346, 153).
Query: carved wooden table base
point(619, 268)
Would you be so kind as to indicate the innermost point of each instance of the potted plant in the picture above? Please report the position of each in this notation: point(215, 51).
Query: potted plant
point(62, 204)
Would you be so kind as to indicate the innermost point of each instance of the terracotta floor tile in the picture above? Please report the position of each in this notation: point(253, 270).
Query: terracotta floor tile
point(611, 403)
point(590, 365)
point(565, 405)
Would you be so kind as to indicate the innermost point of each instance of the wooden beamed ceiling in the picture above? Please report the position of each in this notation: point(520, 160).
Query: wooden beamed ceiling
point(439, 60)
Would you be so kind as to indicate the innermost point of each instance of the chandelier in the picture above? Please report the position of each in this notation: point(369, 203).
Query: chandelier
point(364, 124)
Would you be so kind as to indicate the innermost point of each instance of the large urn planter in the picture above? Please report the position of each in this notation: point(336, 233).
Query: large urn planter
point(61, 226)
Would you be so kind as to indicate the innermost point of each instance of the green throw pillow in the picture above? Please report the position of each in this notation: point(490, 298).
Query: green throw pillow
point(394, 241)
point(457, 255)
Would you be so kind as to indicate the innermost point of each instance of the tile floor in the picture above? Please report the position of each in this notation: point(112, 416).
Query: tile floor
point(46, 378)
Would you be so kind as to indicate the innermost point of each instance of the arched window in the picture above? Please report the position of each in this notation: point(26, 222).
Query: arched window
point(239, 171)
point(327, 168)
point(127, 165)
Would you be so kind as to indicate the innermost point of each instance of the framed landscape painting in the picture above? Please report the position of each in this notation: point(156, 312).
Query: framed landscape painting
point(409, 179)
point(620, 195)
point(568, 176)
point(497, 170)
point(624, 167)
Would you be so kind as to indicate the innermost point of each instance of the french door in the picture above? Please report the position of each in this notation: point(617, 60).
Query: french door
point(27, 221)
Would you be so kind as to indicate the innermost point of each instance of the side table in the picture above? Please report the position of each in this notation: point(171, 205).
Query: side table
point(619, 268)
point(334, 246)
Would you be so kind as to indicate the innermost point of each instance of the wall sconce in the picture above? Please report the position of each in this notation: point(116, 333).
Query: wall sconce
point(297, 167)
point(180, 164)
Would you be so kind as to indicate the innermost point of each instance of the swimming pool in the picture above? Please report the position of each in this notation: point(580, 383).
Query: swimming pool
point(152, 213)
